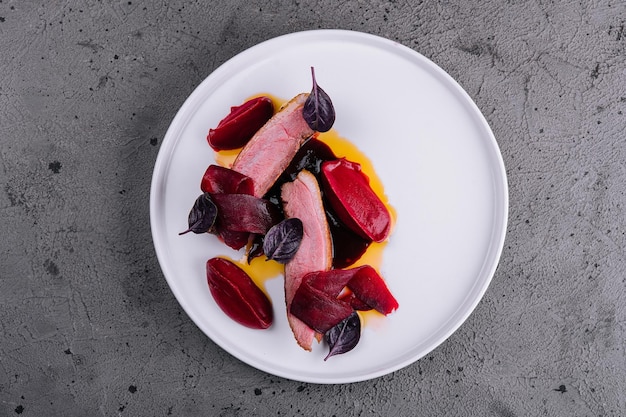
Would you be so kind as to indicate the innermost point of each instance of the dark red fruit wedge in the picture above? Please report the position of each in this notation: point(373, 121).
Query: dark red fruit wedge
point(317, 309)
point(237, 295)
point(351, 197)
point(331, 282)
point(231, 238)
point(221, 180)
point(321, 301)
point(369, 287)
point(236, 129)
point(349, 297)
point(245, 213)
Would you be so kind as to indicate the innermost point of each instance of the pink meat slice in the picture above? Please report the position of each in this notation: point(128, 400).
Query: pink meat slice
point(273, 146)
point(302, 199)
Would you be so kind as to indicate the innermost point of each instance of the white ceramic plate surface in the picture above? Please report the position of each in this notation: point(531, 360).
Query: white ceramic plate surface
point(430, 146)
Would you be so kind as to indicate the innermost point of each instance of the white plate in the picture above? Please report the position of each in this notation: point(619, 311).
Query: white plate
point(432, 149)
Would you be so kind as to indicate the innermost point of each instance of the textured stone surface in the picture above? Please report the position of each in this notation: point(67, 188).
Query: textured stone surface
point(88, 324)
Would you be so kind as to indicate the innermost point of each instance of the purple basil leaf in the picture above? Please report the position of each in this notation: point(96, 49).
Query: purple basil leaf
point(318, 110)
point(345, 336)
point(283, 240)
point(202, 215)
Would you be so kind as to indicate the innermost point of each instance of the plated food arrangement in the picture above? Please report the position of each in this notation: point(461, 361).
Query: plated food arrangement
point(429, 156)
point(278, 199)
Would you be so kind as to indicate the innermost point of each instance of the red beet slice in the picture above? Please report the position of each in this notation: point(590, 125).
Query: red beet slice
point(331, 282)
point(355, 302)
point(238, 127)
point(231, 238)
point(319, 300)
point(317, 309)
point(245, 213)
point(237, 295)
point(356, 204)
point(369, 287)
point(221, 180)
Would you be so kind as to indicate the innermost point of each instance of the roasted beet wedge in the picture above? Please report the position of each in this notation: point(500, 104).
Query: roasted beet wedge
point(356, 204)
point(245, 213)
point(231, 238)
point(302, 199)
point(356, 303)
point(236, 129)
point(320, 301)
point(237, 295)
point(316, 302)
point(273, 147)
point(369, 287)
point(221, 180)
point(318, 310)
point(331, 282)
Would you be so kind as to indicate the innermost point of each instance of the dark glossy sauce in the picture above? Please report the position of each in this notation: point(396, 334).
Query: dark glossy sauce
point(348, 247)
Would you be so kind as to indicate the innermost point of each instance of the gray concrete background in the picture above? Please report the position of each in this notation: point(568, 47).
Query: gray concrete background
point(88, 324)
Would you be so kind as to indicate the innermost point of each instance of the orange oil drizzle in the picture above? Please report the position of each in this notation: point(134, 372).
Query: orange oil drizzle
point(226, 158)
point(261, 270)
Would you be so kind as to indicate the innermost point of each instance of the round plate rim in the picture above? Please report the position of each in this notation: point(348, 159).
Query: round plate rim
point(182, 116)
